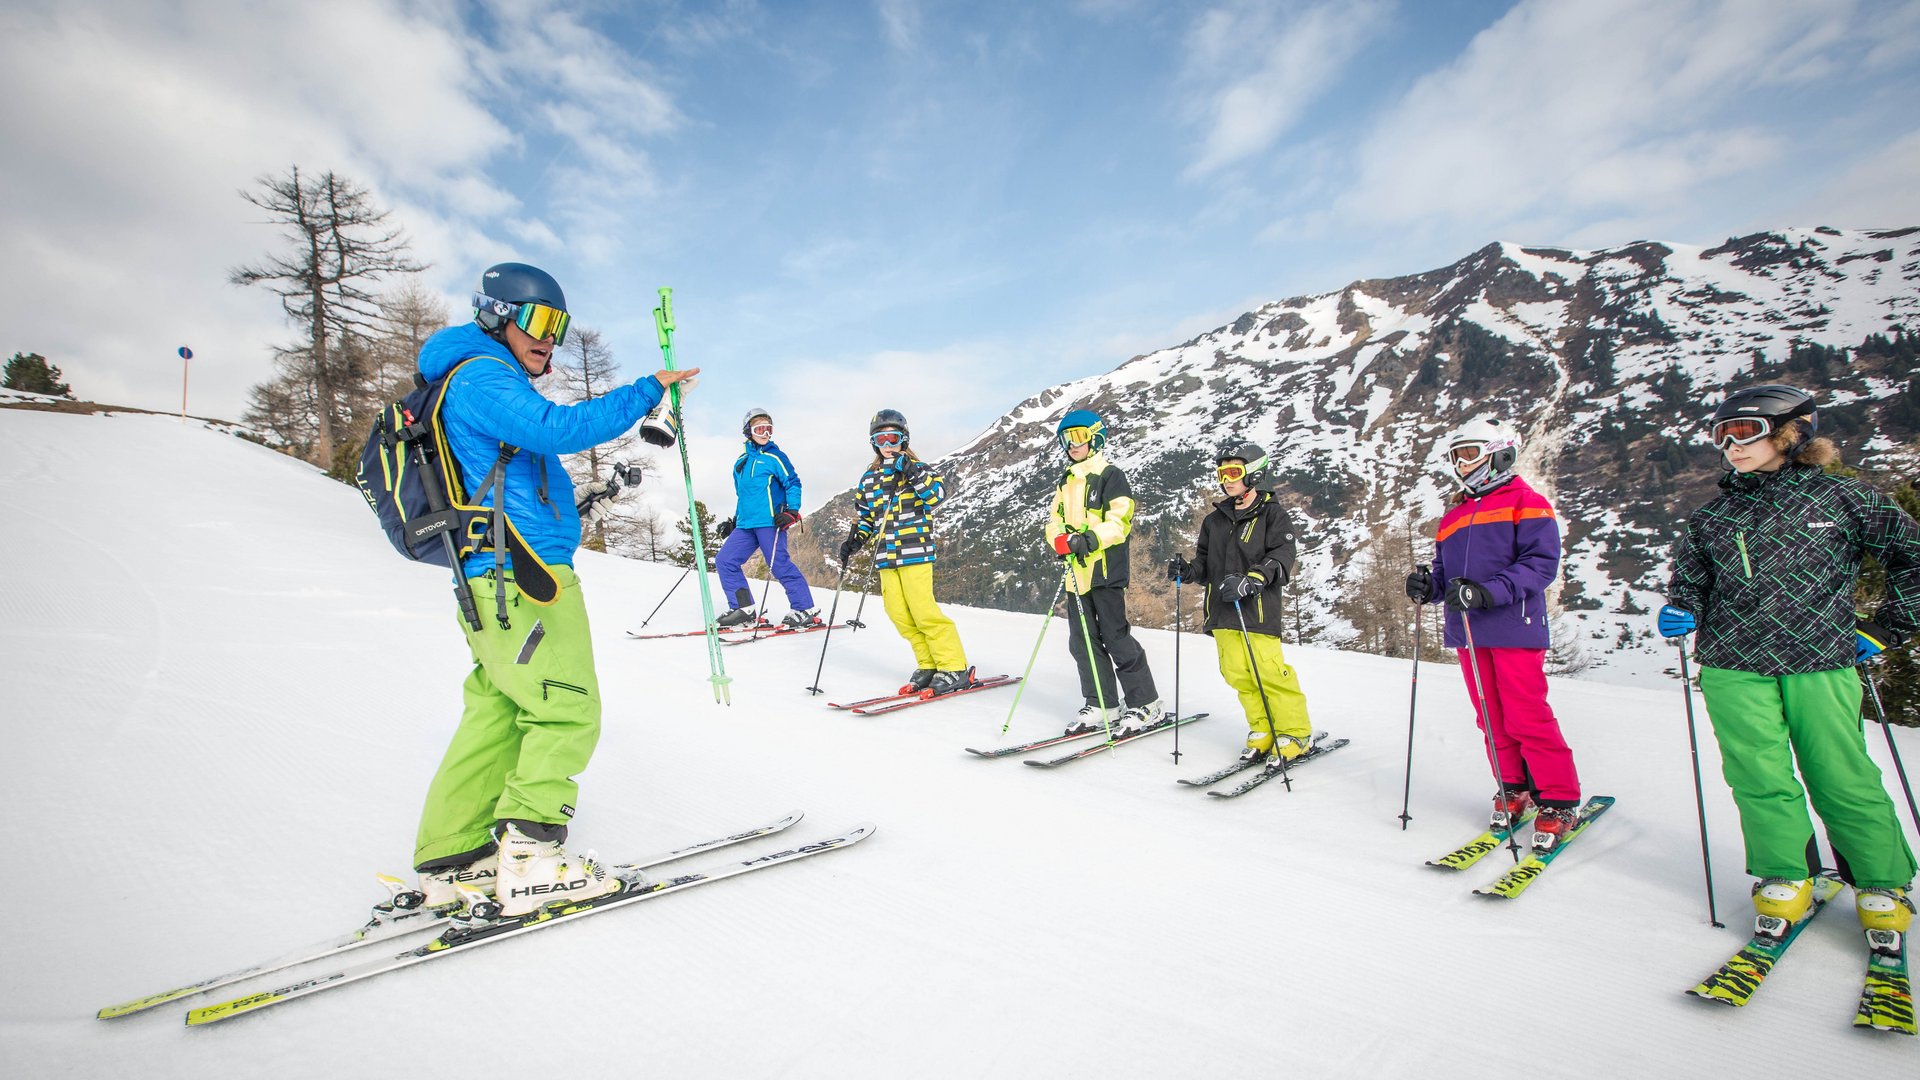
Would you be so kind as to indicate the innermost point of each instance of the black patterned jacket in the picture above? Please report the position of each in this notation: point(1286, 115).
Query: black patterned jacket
point(1769, 567)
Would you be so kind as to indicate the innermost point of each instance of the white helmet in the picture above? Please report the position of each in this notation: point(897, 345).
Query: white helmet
point(1492, 443)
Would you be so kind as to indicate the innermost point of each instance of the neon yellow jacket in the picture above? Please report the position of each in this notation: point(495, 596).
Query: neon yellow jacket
point(1094, 495)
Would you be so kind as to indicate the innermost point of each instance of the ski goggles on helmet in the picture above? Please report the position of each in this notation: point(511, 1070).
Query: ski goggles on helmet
point(889, 438)
point(540, 321)
point(764, 427)
point(1230, 472)
point(1076, 436)
point(1740, 431)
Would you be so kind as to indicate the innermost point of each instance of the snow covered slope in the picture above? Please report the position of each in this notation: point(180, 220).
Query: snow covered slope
point(224, 694)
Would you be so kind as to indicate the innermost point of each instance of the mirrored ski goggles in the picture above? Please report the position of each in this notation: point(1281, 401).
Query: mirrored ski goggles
point(889, 438)
point(1467, 453)
point(760, 429)
point(1230, 473)
point(1077, 436)
point(1740, 430)
point(540, 321)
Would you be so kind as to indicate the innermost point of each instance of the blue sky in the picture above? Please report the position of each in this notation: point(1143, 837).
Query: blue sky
point(936, 207)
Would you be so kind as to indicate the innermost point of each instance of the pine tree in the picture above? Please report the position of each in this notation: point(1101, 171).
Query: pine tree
point(32, 373)
point(682, 553)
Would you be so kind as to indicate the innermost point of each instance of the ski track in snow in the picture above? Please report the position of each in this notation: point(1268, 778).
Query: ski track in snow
point(225, 698)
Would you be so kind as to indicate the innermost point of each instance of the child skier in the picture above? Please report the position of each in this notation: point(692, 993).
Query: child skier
point(1087, 527)
point(1765, 572)
point(1496, 551)
point(767, 493)
point(894, 501)
point(1246, 547)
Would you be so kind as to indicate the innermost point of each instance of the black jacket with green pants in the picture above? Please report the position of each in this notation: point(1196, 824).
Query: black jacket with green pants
point(1768, 569)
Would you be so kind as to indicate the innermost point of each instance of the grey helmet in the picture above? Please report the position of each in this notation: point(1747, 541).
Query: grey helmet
point(746, 422)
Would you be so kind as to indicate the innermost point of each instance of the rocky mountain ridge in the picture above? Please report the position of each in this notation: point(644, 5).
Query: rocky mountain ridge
point(1607, 360)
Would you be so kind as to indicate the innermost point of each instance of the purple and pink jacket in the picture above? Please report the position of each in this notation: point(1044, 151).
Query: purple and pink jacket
point(1509, 541)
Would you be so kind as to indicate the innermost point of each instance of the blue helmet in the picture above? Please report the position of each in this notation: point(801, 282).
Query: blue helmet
point(1082, 418)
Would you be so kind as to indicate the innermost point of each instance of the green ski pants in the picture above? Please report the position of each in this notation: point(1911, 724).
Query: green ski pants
point(1277, 678)
point(1763, 724)
point(531, 720)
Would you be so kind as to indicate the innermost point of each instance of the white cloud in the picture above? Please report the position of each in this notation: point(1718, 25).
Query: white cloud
point(1862, 196)
point(131, 128)
point(900, 19)
point(1561, 112)
point(1294, 57)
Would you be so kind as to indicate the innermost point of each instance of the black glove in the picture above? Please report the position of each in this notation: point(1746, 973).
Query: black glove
point(1420, 584)
point(1179, 569)
point(1082, 543)
point(848, 546)
point(786, 518)
point(1465, 595)
point(1241, 586)
point(724, 529)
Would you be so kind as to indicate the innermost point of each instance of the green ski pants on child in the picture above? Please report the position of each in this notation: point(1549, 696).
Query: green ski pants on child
point(1763, 723)
point(531, 721)
point(1284, 697)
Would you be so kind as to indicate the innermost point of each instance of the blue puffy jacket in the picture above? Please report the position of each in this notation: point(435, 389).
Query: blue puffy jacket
point(490, 403)
point(763, 483)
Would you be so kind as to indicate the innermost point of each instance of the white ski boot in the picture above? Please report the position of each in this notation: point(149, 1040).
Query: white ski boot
point(534, 871)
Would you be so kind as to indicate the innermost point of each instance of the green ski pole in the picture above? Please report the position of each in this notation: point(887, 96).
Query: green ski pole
point(717, 668)
point(1026, 677)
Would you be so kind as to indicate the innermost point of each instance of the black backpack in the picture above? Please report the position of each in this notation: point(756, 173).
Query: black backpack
point(411, 480)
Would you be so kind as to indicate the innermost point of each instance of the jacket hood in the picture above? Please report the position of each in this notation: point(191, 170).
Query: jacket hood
point(446, 348)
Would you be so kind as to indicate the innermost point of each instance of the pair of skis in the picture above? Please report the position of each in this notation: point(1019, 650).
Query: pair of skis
point(1511, 884)
point(1886, 989)
point(774, 630)
point(1057, 740)
point(1268, 770)
point(390, 923)
point(907, 699)
point(736, 635)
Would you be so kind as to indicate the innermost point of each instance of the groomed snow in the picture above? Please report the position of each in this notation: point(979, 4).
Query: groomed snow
point(225, 694)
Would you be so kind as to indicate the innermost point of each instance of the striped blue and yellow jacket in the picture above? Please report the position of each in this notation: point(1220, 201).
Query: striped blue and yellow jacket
point(899, 506)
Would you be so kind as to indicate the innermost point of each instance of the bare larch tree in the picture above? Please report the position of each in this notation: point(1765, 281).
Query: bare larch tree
point(339, 245)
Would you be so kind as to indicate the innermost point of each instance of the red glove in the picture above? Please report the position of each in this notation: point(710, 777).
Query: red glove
point(786, 518)
point(1061, 543)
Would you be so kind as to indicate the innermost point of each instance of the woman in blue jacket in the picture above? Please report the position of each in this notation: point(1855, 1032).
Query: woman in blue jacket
point(767, 491)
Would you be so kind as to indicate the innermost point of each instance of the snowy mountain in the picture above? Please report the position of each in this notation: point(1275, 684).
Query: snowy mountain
point(218, 723)
point(1608, 360)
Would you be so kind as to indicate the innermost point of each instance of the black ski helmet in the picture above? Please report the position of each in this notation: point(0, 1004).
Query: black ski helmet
point(1249, 454)
point(746, 422)
point(889, 418)
point(1774, 402)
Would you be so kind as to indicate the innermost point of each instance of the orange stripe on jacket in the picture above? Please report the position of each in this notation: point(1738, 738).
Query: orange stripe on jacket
point(1504, 516)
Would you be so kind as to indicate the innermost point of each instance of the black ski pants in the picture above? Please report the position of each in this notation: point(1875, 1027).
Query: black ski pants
point(1114, 648)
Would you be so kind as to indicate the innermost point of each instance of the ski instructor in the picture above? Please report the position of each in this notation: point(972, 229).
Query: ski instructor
point(497, 810)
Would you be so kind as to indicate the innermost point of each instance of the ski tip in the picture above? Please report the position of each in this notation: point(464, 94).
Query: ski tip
point(128, 1008)
point(210, 1013)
